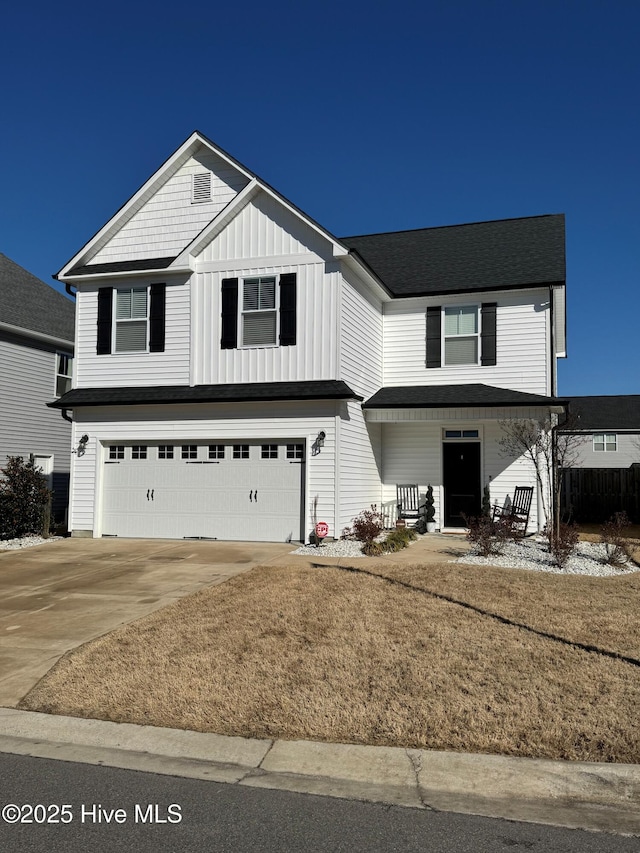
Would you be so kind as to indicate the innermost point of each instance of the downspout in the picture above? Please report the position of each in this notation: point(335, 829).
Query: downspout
point(554, 391)
point(68, 287)
point(64, 414)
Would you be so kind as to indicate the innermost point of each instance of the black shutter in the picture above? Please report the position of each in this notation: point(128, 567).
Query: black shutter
point(434, 346)
point(157, 312)
point(229, 339)
point(288, 309)
point(488, 333)
point(105, 313)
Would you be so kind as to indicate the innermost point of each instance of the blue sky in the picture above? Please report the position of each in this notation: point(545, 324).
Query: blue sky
point(373, 116)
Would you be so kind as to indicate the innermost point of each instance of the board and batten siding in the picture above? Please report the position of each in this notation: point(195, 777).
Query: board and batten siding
point(27, 384)
point(169, 220)
point(230, 423)
point(170, 367)
point(360, 443)
point(522, 330)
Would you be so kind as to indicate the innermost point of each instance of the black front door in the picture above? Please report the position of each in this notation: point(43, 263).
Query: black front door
point(461, 479)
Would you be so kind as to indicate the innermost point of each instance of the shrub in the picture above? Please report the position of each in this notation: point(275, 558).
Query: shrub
point(366, 526)
point(24, 499)
point(562, 542)
point(616, 545)
point(373, 548)
point(399, 538)
point(488, 536)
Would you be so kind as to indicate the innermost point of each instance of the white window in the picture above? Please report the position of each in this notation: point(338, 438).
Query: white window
point(165, 451)
point(269, 451)
point(189, 451)
point(216, 451)
point(64, 367)
point(259, 315)
point(132, 308)
point(201, 187)
point(605, 441)
point(240, 451)
point(139, 451)
point(116, 451)
point(461, 433)
point(295, 451)
point(461, 334)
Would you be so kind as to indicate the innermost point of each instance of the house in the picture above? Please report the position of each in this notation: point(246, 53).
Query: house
point(610, 427)
point(603, 475)
point(36, 347)
point(241, 373)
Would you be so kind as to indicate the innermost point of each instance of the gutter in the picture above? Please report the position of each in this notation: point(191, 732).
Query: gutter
point(39, 336)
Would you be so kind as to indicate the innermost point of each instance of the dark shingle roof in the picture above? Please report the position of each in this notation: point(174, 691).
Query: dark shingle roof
point(127, 266)
point(606, 412)
point(503, 254)
point(233, 393)
point(454, 396)
point(30, 304)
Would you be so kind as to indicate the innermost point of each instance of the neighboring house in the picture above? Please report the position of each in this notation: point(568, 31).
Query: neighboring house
point(610, 426)
point(242, 373)
point(36, 350)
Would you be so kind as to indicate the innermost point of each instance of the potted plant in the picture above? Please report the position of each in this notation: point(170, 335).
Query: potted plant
point(430, 511)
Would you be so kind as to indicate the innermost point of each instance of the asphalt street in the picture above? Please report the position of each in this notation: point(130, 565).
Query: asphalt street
point(63, 806)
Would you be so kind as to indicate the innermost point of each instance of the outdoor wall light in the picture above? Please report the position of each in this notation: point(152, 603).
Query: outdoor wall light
point(82, 445)
point(321, 437)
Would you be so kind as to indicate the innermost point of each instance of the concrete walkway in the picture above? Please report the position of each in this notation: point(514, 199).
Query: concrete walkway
point(571, 794)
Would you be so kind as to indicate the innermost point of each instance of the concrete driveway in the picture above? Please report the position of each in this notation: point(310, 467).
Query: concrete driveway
point(56, 596)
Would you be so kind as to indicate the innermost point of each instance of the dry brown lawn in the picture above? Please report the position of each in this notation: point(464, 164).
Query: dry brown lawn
point(378, 656)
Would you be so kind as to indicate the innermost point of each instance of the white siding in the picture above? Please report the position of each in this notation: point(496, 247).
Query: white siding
point(180, 424)
point(412, 453)
point(628, 452)
point(169, 220)
point(27, 384)
point(263, 228)
point(522, 343)
point(361, 368)
point(170, 367)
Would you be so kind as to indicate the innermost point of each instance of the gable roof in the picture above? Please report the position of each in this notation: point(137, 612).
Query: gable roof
point(608, 412)
point(454, 396)
point(28, 303)
point(501, 254)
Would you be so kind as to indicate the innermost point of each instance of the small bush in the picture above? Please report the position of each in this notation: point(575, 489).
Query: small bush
point(562, 542)
point(366, 526)
point(399, 538)
point(616, 545)
point(374, 549)
point(488, 536)
point(24, 498)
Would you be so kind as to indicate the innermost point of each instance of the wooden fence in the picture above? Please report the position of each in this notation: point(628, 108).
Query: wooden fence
point(593, 495)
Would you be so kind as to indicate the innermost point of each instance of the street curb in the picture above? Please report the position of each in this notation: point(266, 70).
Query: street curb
point(585, 795)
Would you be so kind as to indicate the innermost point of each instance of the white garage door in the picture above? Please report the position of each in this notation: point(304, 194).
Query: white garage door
point(250, 491)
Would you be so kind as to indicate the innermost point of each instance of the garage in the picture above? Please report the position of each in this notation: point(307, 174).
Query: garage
point(234, 490)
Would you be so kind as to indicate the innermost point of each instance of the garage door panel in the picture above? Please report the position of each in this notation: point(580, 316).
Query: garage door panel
point(252, 498)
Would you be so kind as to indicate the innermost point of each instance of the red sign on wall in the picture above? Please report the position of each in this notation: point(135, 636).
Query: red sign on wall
point(322, 528)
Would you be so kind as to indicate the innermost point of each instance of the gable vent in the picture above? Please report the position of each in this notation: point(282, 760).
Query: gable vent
point(202, 187)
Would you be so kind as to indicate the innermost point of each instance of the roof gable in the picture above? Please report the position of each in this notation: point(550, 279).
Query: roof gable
point(28, 303)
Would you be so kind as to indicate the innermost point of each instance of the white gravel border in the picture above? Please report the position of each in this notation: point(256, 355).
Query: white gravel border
point(25, 542)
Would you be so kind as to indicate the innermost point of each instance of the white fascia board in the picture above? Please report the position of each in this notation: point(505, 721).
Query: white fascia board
point(217, 224)
point(373, 281)
point(75, 280)
point(160, 176)
point(38, 336)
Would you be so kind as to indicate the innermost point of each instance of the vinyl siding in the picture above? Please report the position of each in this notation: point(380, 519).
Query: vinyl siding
point(169, 220)
point(522, 328)
point(361, 368)
point(27, 384)
point(412, 453)
point(170, 367)
point(627, 454)
point(181, 424)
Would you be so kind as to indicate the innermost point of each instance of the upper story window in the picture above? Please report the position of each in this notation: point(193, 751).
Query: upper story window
point(201, 187)
point(462, 335)
point(64, 369)
point(258, 311)
point(131, 319)
point(605, 441)
point(259, 314)
point(461, 326)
